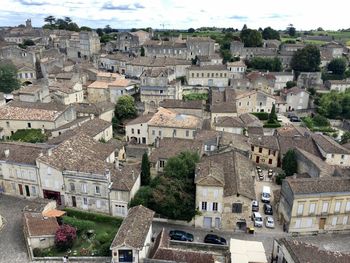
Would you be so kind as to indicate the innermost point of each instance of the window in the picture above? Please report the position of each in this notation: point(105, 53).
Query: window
point(312, 208)
point(252, 147)
point(84, 188)
point(33, 190)
point(240, 103)
point(325, 207)
point(334, 220)
point(260, 150)
point(220, 75)
point(270, 161)
point(72, 187)
point(138, 131)
point(204, 206)
point(342, 156)
point(174, 132)
point(29, 125)
point(192, 75)
point(215, 206)
point(337, 207)
point(161, 163)
point(187, 133)
point(8, 124)
point(160, 133)
point(297, 223)
point(97, 190)
point(132, 131)
point(120, 209)
point(85, 202)
point(153, 132)
point(347, 207)
point(236, 208)
point(300, 209)
point(193, 133)
point(98, 203)
point(332, 155)
point(197, 75)
point(345, 220)
point(308, 222)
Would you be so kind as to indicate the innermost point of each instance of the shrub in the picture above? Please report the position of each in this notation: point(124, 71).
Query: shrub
point(320, 121)
point(93, 216)
point(79, 224)
point(104, 251)
point(65, 236)
point(37, 252)
point(263, 116)
point(29, 135)
point(272, 125)
point(105, 237)
point(308, 122)
point(279, 178)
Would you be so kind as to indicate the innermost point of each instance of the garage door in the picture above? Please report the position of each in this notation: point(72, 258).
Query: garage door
point(207, 222)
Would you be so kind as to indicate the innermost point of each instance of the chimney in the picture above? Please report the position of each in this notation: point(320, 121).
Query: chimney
point(133, 174)
point(92, 116)
point(49, 152)
point(108, 174)
point(294, 176)
point(156, 142)
point(7, 153)
point(117, 164)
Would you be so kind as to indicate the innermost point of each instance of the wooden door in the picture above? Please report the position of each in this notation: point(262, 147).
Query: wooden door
point(27, 190)
point(20, 189)
point(322, 223)
point(257, 160)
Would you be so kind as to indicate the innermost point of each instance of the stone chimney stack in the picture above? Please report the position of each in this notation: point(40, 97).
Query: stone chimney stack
point(7, 153)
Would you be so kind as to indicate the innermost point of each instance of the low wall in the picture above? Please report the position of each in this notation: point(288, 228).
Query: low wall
point(173, 222)
point(74, 259)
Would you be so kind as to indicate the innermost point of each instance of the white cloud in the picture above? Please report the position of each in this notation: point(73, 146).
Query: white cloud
point(181, 13)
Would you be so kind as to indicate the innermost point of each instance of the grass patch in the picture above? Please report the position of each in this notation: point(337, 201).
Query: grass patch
point(195, 96)
point(95, 233)
point(318, 124)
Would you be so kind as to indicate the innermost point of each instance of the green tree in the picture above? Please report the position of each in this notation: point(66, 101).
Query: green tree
point(251, 38)
point(290, 84)
point(28, 42)
point(307, 59)
point(291, 30)
point(320, 121)
point(334, 109)
point(85, 28)
point(289, 163)
point(142, 51)
point(125, 108)
point(269, 33)
point(191, 30)
point(272, 115)
point(337, 66)
point(345, 138)
point(8, 77)
point(145, 170)
point(262, 63)
point(50, 20)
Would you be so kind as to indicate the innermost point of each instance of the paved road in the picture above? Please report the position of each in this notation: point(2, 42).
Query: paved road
point(12, 246)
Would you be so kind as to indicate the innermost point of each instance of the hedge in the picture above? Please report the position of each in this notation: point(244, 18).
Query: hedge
point(263, 116)
point(29, 135)
point(272, 125)
point(93, 216)
point(79, 224)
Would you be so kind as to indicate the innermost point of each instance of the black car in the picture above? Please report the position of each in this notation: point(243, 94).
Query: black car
point(295, 119)
point(214, 239)
point(180, 235)
point(268, 209)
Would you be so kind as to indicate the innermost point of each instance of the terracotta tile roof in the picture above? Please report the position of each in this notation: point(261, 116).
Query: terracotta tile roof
point(269, 142)
point(169, 118)
point(250, 120)
point(255, 131)
point(237, 170)
point(156, 72)
point(170, 147)
point(305, 252)
point(208, 67)
point(236, 141)
point(319, 185)
point(255, 75)
point(328, 145)
point(234, 122)
point(80, 153)
point(162, 251)
point(93, 108)
point(17, 110)
point(239, 63)
point(37, 225)
point(124, 178)
point(191, 104)
point(294, 91)
point(20, 152)
point(297, 141)
point(141, 119)
point(134, 229)
point(224, 107)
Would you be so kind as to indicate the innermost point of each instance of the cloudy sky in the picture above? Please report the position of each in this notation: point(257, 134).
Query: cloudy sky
point(181, 14)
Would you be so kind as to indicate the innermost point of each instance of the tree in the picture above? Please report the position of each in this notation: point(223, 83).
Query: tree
point(251, 38)
point(28, 42)
point(244, 27)
point(85, 28)
point(334, 109)
point(272, 115)
point(107, 29)
point(50, 20)
point(307, 59)
point(125, 108)
point(142, 51)
point(290, 84)
point(261, 63)
point(291, 30)
point(269, 33)
point(320, 121)
point(8, 77)
point(337, 66)
point(65, 236)
point(191, 30)
point(99, 31)
point(67, 19)
point(345, 138)
point(145, 170)
point(289, 163)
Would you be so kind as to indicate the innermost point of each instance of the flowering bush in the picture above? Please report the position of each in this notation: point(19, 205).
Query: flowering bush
point(65, 237)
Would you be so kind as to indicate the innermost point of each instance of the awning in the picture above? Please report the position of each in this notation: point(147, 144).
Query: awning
point(53, 213)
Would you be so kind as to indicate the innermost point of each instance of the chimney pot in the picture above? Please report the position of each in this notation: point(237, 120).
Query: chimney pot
point(7, 153)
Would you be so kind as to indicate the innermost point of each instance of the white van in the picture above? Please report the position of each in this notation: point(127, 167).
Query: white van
point(266, 194)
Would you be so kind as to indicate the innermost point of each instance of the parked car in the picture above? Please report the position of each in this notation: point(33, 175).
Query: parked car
point(258, 169)
point(255, 206)
point(279, 118)
point(268, 209)
point(269, 222)
point(295, 119)
point(261, 176)
point(180, 235)
point(214, 239)
point(257, 219)
point(270, 173)
point(290, 115)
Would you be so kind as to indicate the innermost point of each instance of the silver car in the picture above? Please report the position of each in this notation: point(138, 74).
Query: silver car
point(269, 222)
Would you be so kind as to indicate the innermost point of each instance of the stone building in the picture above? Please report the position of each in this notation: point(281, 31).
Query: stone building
point(265, 150)
point(212, 76)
